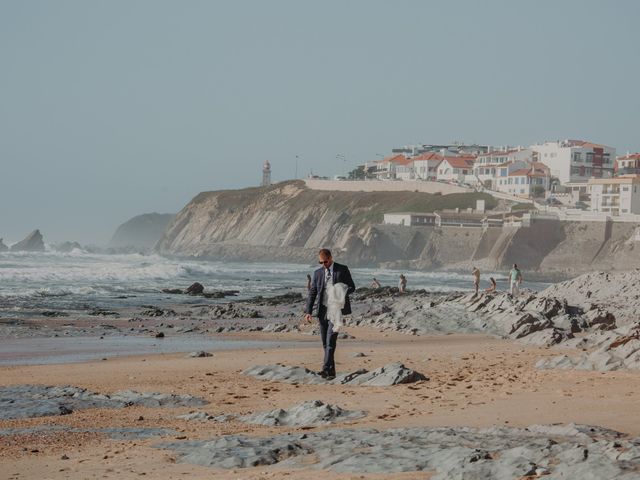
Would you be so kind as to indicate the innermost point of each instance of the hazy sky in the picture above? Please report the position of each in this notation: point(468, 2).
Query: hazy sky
point(109, 109)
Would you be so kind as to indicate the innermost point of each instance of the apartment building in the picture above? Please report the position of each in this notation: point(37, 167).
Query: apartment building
point(575, 161)
point(628, 164)
point(615, 196)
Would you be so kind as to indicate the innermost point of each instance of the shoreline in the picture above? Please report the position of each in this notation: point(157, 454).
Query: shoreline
point(475, 375)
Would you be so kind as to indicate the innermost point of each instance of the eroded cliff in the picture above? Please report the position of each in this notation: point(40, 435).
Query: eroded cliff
point(288, 221)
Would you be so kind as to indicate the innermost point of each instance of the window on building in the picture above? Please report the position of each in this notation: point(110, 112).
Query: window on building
point(625, 189)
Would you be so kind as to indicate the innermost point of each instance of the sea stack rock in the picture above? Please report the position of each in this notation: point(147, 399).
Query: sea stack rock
point(32, 243)
point(3, 247)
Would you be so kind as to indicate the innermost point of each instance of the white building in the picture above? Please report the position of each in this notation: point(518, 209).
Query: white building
point(628, 164)
point(410, 219)
point(485, 168)
point(574, 161)
point(534, 179)
point(455, 169)
point(425, 166)
point(615, 195)
point(396, 166)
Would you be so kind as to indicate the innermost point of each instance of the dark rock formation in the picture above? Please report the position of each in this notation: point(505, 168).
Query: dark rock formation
point(3, 247)
point(31, 243)
point(195, 289)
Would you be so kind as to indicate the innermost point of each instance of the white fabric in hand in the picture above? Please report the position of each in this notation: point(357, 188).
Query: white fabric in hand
point(336, 295)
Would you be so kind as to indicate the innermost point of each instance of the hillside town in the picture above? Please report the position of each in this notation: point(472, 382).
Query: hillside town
point(565, 174)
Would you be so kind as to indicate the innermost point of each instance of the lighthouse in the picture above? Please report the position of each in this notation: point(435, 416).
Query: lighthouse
point(266, 174)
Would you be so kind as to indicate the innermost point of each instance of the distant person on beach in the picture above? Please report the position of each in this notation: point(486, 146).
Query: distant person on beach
point(515, 280)
point(493, 287)
point(375, 284)
point(308, 282)
point(402, 284)
point(329, 275)
point(476, 278)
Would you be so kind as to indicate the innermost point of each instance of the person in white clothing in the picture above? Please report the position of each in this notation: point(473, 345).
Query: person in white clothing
point(515, 280)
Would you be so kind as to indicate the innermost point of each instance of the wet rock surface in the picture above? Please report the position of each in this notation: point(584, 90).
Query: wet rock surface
point(388, 375)
point(571, 451)
point(20, 401)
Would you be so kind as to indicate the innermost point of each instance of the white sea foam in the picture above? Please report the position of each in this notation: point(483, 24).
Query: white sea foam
point(53, 279)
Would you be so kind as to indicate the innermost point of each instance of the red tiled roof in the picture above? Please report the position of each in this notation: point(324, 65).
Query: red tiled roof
point(631, 156)
point(460, 162)
point(585, 144)
point(428, 156)
point(522, 172)
point(399, 159)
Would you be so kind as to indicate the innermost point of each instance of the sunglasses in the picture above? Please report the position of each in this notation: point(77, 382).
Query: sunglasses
point(324, 262)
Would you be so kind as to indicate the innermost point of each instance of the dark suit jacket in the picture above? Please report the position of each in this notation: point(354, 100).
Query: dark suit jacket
point(341, 274)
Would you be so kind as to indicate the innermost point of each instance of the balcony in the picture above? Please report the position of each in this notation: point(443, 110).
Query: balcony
point(629, 171)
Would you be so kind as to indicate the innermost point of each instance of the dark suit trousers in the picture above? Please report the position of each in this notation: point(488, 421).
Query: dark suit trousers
point(329, 340)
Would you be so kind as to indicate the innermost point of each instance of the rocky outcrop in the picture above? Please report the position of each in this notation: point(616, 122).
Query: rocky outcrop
point(19, 401)
point(142, 231)
point(311, 413)
point(288, 221)
point(31, 243)
point(499, 453)
point(388, 375)
point(3, 247)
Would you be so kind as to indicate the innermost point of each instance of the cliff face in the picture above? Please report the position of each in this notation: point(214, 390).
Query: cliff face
point(288, 221)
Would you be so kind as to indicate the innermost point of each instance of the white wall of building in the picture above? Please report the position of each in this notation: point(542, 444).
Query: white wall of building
point(397, 219)
point(616, 197)
point(449, 173)
point(572, 163)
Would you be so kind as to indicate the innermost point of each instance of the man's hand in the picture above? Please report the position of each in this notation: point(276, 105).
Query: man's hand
point(307, 317)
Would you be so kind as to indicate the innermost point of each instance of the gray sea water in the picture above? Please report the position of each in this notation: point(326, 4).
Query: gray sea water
point(34, 282)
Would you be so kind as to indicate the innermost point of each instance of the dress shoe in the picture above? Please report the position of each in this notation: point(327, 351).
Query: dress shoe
point(323, 373)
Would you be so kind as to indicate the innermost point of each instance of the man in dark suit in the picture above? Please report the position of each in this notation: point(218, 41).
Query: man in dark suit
point(334, 273)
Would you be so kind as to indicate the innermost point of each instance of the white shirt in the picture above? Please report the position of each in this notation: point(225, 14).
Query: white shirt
point(328, 280)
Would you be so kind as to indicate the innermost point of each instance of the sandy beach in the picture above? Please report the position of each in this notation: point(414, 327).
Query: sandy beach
point(474, 381)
